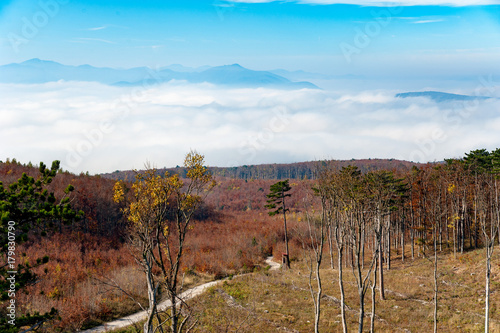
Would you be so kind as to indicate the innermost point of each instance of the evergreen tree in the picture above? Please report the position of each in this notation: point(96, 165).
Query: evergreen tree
point(27, 208)
point(276, 202)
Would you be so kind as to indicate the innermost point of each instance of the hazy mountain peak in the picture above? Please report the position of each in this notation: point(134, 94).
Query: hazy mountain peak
point(37, 61)
point(183, 69)
point(438, 96)
point(40, 71)
point(32, 61)
point(229, 67)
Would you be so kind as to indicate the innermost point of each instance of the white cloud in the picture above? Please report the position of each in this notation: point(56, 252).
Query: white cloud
point(97, 28)
point(105, 27)
point(97, 40)
point(100, 128)
point(427, 21)
point(378, 3)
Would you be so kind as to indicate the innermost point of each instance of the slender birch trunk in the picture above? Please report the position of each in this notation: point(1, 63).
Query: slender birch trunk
point(341, 287)
point(373, 287)
point(435, 284)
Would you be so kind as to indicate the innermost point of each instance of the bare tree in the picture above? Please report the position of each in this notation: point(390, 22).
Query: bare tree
point(355, 212)
point(484, 168)
point(489, 226)
point(328, 190)
point(384, 191)
point(313, 244)
point(373, 287)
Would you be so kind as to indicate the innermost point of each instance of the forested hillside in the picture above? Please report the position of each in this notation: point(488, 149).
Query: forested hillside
point(362, 217)
point(303, 170)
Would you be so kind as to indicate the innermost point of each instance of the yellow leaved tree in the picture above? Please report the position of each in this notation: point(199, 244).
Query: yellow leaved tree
point(160, 214)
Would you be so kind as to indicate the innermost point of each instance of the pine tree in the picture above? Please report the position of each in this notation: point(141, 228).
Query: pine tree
point(28, 208)
point(276, 202)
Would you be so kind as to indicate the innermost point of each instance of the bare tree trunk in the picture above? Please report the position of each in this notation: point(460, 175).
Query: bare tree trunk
point(489, 242)
point(490, 245)
point(330, 245)
point(148, 325)
point(454, 238)
point(435, 284)
point(363, 235)
point(173, 313)
point(317, 310)
point(412, 236)
point(341, 287)
point(317, 242)
point(373, 287)
point(381, 271)
point(440, 237)
point(403, 241)
point(462, 230)
point(489, 252)
point(412, 231)
point(476, 236)
point(388, 255)
point(287, 256)
point(361, 311)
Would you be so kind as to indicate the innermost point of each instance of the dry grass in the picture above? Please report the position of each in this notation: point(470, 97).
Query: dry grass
point(262, 302)
point(265, 302)
point(72, 280)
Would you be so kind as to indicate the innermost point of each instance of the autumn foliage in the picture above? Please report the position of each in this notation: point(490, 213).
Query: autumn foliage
point(231, 231)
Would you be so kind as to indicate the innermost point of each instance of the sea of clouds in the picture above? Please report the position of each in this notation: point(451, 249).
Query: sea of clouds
point(98, 128)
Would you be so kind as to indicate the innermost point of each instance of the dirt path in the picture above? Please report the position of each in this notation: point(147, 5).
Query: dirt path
point(274, 265)
point(139, 316)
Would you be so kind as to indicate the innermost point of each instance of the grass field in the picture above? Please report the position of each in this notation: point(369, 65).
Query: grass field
point(281, 300)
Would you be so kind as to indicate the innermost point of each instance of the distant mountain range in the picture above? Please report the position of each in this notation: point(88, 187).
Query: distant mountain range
point(441, 96)
point(42, 71)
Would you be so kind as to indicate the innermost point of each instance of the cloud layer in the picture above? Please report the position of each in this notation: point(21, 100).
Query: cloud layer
point(98, 128)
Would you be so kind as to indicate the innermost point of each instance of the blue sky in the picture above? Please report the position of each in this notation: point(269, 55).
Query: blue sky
point(308, 34)
point(451, 46)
